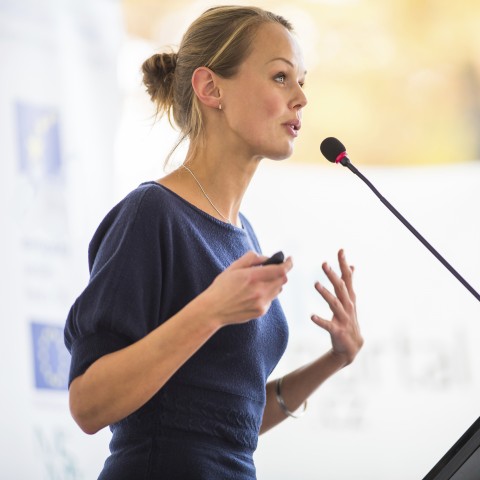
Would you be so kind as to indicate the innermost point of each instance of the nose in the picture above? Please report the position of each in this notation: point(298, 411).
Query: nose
point(300, 99)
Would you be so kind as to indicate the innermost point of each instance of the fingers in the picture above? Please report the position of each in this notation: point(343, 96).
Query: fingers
point(250, 259)
point(266, 280)
point(246, 289)
point(270, 272)
point(271, 278)
point(343, 285)
point(339, 286)
point(265, 273)
point(253, 259)
point(334, 303)
point(347, 273)
point(322, 322)
point(343, 299)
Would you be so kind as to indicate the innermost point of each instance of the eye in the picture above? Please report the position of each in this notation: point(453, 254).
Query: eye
point(280, 78)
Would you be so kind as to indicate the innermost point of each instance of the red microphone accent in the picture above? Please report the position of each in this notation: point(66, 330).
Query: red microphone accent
point(341, 157)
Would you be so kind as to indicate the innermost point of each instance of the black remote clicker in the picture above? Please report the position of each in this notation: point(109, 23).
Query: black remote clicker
point(275, 259)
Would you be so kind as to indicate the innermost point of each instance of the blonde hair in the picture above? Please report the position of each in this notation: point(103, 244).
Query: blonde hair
point(219, 39)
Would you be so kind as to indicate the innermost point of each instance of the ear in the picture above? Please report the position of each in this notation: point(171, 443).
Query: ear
point(205, 86)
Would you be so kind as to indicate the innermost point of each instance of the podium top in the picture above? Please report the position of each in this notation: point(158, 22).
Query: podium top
point(462, 461)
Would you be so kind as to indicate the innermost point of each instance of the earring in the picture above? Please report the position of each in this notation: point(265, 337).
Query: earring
point(219, 106)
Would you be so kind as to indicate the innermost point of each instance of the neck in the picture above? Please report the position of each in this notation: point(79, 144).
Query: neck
point(221, 180)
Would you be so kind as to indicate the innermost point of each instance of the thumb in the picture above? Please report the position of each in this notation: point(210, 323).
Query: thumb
point(249, 259)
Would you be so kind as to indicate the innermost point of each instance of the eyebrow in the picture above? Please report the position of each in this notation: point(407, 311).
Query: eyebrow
point(286, 61)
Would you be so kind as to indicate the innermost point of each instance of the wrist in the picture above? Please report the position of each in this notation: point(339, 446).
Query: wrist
point(341, 359)
point(205, 311)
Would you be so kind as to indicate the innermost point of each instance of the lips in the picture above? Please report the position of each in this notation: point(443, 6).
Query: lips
point(293, 126)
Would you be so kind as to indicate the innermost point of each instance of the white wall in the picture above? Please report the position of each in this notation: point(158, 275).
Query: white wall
point(415, 386)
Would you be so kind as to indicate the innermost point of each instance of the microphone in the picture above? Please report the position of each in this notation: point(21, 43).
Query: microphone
point(335, 152)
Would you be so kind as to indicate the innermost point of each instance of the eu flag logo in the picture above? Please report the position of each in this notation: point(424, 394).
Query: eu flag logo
point(51, 358)
point(38, 140)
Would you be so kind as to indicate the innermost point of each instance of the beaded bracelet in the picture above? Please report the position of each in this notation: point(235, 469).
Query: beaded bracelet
point(281, 402)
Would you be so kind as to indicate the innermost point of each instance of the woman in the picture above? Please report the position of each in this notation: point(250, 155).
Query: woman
point(175, 335)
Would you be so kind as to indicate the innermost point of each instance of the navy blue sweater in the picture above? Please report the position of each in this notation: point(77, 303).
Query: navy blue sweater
point(152, 254)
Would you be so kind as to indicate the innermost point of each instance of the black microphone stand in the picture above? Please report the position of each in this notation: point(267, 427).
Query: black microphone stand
point(345, 161)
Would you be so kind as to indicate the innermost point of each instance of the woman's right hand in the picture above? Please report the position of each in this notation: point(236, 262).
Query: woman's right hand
point(245, 289)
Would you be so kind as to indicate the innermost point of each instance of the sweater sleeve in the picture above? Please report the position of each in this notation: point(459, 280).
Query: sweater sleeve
point(121, 302)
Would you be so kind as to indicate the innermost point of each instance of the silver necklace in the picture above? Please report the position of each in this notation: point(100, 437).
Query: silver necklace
point(206, 196)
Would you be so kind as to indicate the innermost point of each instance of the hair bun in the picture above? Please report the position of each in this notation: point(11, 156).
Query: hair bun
point(158, 73)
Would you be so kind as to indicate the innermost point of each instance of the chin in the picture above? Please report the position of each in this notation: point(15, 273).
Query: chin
point(280, 155)
point(279, 158)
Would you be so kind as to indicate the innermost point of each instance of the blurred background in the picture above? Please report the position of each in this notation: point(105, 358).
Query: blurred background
point(398, 82)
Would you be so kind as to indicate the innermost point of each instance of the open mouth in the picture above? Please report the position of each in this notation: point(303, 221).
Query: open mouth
point(293, 127)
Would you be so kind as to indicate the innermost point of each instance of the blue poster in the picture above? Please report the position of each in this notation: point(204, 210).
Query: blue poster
point(50, 357)
point(38, 140)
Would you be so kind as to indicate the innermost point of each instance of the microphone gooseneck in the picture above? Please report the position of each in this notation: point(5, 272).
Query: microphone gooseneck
point(335, 152)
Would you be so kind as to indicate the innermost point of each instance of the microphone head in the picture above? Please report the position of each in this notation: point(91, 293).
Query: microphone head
point(331, 148)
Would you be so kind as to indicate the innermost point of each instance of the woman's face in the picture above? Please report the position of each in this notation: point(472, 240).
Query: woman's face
point(263, 102)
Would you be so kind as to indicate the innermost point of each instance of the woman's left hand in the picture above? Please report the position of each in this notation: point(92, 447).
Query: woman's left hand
point(343, 327)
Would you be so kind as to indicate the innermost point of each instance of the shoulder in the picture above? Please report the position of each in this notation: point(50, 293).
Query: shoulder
point(146, 197)
point(135, 218)
point(144, 203)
